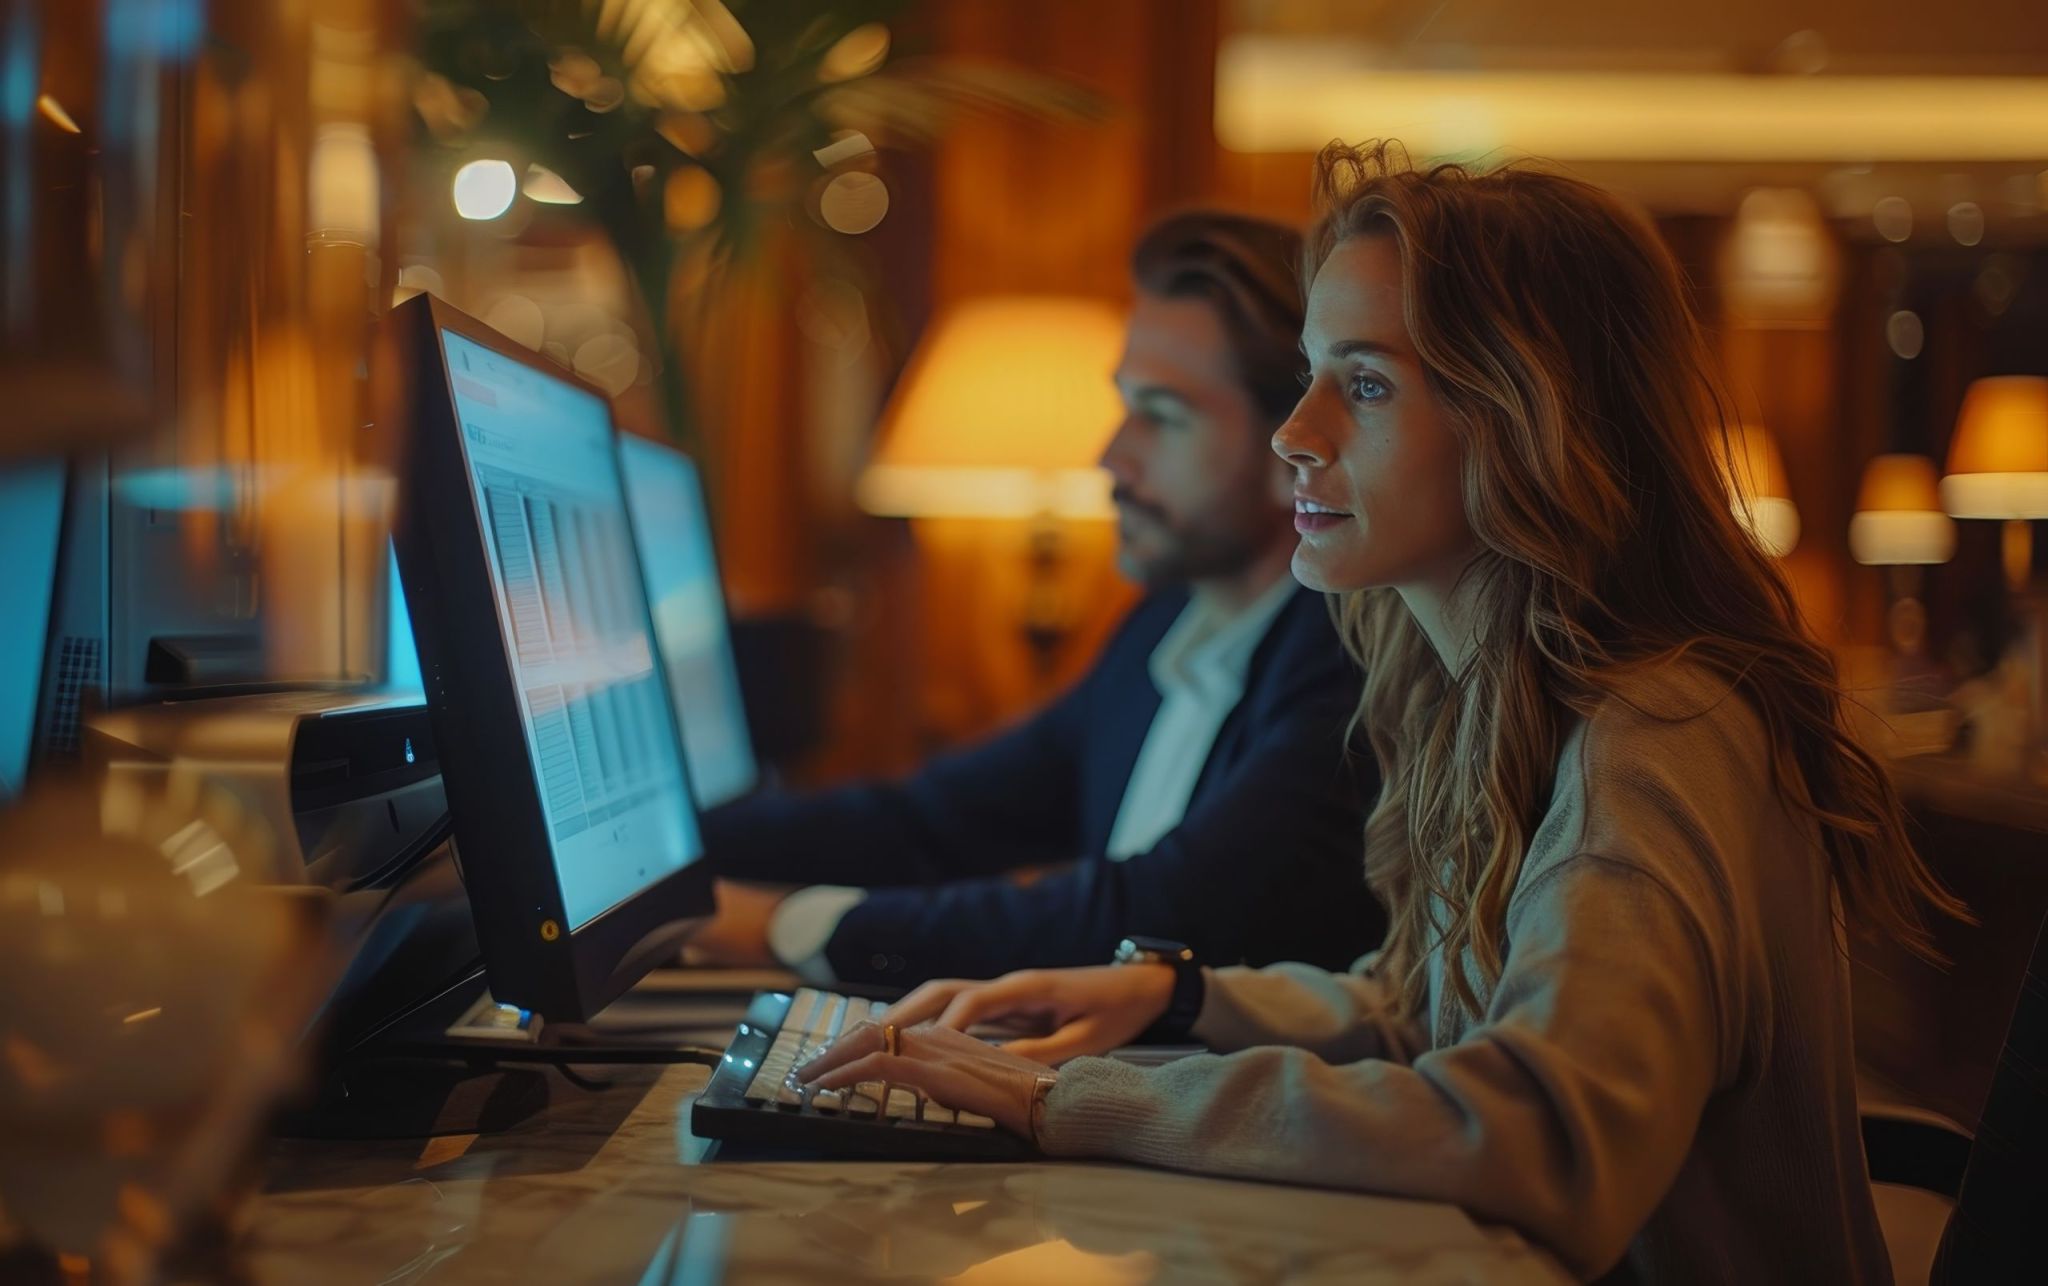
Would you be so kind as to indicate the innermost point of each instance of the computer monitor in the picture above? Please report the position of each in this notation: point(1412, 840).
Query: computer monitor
point(680, 566)
point(564, 767)
point(31, 518)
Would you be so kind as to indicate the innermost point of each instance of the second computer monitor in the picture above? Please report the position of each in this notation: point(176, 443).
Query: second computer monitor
point(559, 749)
point(683, 588)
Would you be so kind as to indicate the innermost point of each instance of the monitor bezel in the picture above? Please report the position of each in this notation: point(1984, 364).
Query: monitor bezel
point(533, 958)
point(630, 442)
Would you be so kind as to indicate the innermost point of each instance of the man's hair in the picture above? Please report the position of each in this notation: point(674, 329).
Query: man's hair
point(1249, 271)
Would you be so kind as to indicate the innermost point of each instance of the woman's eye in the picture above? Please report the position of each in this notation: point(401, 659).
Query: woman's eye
point(1368, 388)
point(1303, 378)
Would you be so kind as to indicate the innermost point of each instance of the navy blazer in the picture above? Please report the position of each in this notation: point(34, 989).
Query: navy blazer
point(1266, 864)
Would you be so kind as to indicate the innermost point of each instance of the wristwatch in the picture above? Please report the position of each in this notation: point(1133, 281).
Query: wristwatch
point(1175, 1025)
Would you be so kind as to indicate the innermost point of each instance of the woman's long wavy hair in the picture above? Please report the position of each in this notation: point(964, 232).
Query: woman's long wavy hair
point(1554, 326)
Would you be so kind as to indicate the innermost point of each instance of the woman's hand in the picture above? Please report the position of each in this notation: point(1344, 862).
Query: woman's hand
point(953, 1069)
point(1082, 1011)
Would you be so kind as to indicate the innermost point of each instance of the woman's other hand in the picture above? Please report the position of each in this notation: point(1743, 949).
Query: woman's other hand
point(1081, 1011)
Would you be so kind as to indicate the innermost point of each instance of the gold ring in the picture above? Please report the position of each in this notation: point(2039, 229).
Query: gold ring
point(892, 1039)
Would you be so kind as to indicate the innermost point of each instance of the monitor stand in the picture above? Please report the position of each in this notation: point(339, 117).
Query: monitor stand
point(435, 1071)
point(399, 1064)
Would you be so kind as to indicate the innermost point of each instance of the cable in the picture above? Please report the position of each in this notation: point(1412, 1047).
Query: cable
point(570, 1055)
point(546, 1055)
point(420, 848)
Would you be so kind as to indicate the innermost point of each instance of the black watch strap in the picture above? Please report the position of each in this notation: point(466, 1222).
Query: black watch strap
point(1177, 1024)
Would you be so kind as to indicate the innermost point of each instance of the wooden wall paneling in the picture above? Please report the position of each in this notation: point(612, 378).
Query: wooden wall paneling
point(1027, 206)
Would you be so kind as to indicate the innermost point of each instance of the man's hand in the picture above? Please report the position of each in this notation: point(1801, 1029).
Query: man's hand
point(737, 936)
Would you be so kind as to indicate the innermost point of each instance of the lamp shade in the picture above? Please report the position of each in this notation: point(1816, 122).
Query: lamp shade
point(1998, 460)
point(1757, 489)
point(1002, 412)
point(1898, 515)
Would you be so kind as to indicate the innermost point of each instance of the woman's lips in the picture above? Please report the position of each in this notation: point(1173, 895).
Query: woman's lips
point(1310, 516)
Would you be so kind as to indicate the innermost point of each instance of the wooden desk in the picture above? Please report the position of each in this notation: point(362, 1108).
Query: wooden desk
point(609, 1186)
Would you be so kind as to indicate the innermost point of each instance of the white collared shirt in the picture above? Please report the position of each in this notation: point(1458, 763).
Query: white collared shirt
point(1199, 667)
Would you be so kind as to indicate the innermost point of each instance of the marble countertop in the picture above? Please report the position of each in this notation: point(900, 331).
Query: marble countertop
point(608, 1185)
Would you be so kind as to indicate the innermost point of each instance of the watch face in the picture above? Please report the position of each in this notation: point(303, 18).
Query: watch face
point(1162, 949)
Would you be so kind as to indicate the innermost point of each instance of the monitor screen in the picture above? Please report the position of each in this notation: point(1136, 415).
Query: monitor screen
point(681, 569)
point(401, 654)
point(541, 464)
point(31, 516)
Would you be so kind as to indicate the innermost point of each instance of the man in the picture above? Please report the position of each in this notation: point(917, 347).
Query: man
point(1194, 785)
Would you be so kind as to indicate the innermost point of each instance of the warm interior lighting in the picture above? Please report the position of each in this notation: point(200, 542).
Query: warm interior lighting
point(1998, 463)
point(858, 53)
point(1778, 265)
point(1898, 517)
point(484, 189)
point(1998, 459)
point(549, 188)
point(342, 188)
point(53, 112)
point(1757, 489)
point(1293, 94)
point(1001, 413)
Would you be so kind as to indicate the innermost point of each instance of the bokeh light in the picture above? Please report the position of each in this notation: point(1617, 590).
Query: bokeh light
point(484, 189)
point(859, 52)
point(611, 361)
point(691, 198)
point(418, 279)
point(1905, 334)
point(549, 188)
point(1893, 217)
point(1966, 222)
point(519, 319)
point(853, 203)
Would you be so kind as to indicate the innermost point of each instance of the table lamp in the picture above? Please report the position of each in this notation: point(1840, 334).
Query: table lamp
point(1758, 491)
point(1002, 412)
point(1899, 525)
point(1998, 463)
point(1899, 520)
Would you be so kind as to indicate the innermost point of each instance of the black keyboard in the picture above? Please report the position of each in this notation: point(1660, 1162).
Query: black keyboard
point(750, 1102)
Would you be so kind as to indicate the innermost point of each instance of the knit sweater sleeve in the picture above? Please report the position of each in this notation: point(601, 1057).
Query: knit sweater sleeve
point(1338, 1017)
point(1566, 1112)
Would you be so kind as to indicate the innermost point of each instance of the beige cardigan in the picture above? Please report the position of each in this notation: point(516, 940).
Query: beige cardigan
point(1662, 1075)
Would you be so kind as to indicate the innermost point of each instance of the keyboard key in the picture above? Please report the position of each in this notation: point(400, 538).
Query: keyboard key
point(936, 1115)
point(973, 1122)
point(828, 1100)
point(861, 1104)
point(902, 1104)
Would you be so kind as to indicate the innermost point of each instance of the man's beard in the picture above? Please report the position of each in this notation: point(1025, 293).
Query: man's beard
point(1213, 548)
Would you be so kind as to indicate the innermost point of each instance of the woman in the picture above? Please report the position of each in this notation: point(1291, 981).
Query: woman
point(1620, 809)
